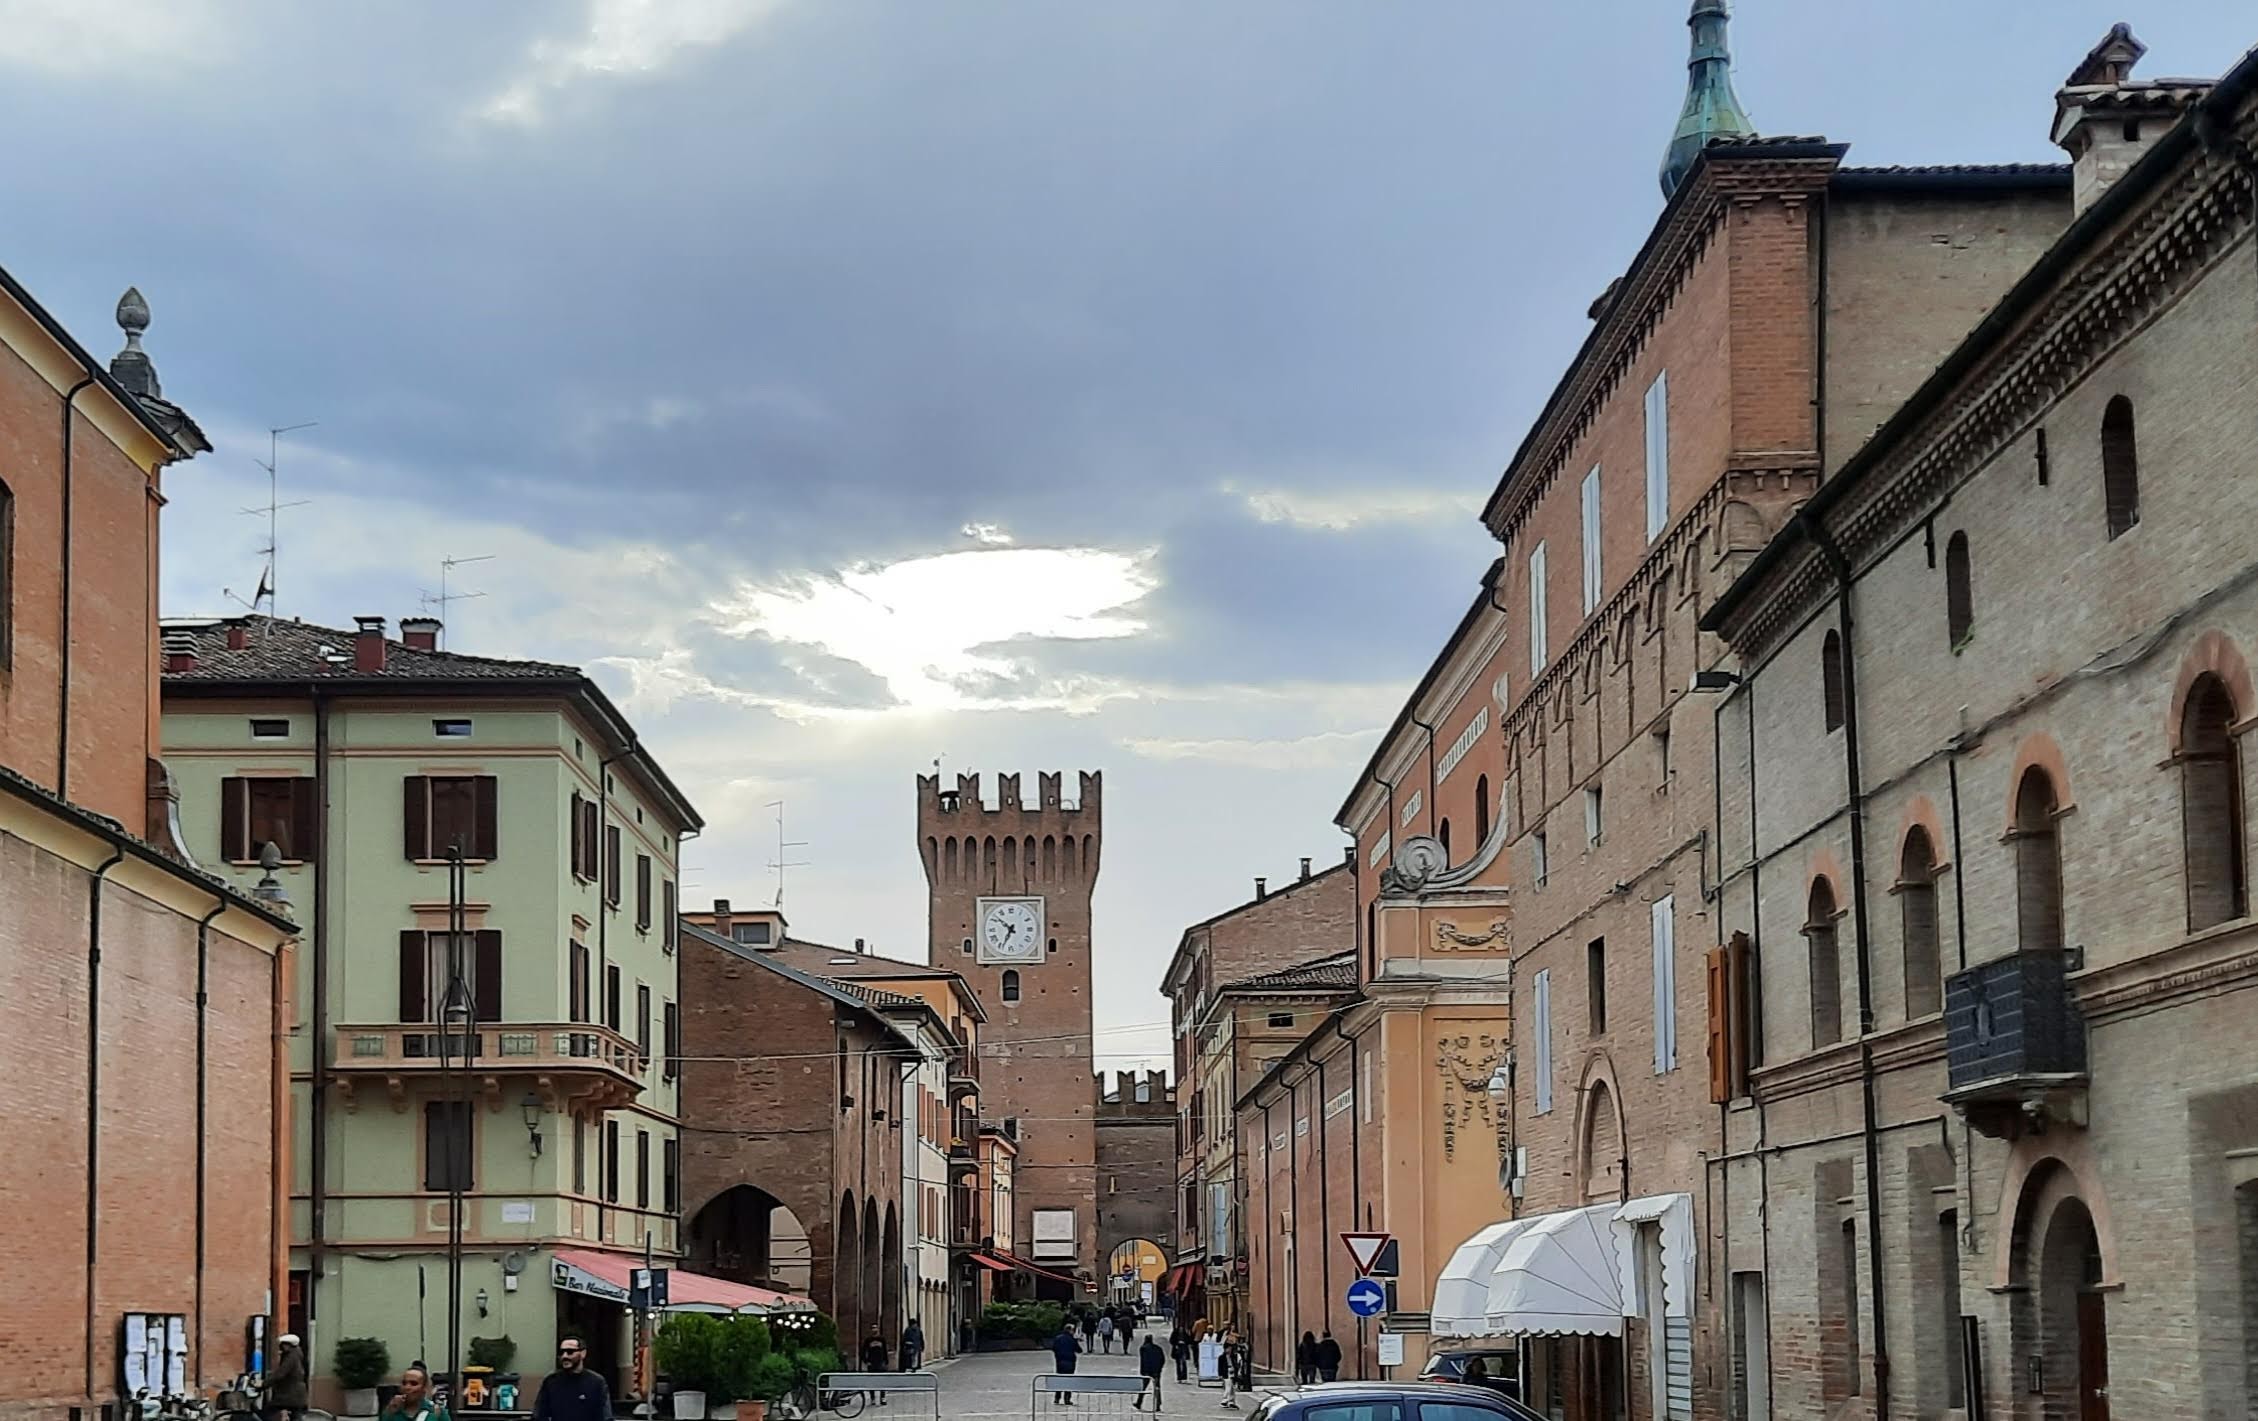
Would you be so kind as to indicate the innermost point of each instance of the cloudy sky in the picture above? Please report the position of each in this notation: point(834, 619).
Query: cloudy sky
point(1097, 383)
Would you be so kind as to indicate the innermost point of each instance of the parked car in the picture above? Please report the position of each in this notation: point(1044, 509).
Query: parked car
point(1500, 1369)
point(1393, 1401)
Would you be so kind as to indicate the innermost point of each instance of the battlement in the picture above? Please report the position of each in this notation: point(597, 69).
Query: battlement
point(1135, 1094)
point(965, 799)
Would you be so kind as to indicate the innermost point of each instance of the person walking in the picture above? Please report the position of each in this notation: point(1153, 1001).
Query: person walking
point(1328, 1358)
point(1180, 1347)
point(285, 1389)
point(1305, 1359)
point(1229, 1362)
point(874, 1357)
point(913, 1346)
point(572, 1392)
point(1105, 1332)
point(1063, 1351)
point(1150, 1360)
point(1089, 1331)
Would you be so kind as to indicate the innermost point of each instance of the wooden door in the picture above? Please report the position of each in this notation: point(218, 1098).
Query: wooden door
point(2093, 1358)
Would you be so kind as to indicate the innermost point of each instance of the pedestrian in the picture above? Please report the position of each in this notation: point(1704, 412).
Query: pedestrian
point(874, 1357)
point(1150, 1359)
point(1089, 1331)
point(285, 1388)
point(1328, 1357)
point(913, 1346)
point(414, 1401)
point(572, 1392)
point(1229, 1362)
point(1105, 1332)
point(1180, 1347)
point(1305, 1359)
point(1063, 1351)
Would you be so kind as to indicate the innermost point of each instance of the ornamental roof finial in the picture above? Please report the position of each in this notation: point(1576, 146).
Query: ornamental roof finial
point(1712, 111)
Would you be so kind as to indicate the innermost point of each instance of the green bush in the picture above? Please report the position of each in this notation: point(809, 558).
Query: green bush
point(796, 1331)
point(495, 1352)
point(742, 1354)
point(688, 1353)
point(775, 1375)
point(361, 1362)
point(1037, 1321)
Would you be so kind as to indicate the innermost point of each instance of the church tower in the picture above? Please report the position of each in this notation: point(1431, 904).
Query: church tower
point(1009, 907)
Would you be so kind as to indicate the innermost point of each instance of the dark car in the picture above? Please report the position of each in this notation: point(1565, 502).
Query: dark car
point(1500, 1371)
point(1392, 1401)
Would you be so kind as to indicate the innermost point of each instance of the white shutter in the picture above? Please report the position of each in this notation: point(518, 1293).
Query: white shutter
point(1542, 987)
point(1657, 455)
point(1591, 539)
point(1537, 610)
point(1665, 987)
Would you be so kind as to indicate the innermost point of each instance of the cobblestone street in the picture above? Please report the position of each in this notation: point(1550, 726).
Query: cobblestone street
point(1000, 1384)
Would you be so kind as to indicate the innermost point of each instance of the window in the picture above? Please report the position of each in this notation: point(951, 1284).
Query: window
point(440, 811)
point(756, 935)
point(2045, 470)
point(642, 1169)
point(584, 838)
point(1537, 610)
point(1543, 860)
point(426, 966)
point(1830, 679)
point(2120, 466)
point(451, 729)
point(579, 1155)
point(2218, 880)
point(268, 810)
point(643, 1020)
point(1595, 983)
point(670, 921)
point(1664, 928)
point(1391, 1411)
point(447, 1146)
point(1281, 1018)
point(611, 995)
point(1917, 920)
point(2038, 864)
point(276, 728)
point(1442, 836)
point(1662, 756)
point(7, 576)
point(1593, 809)
point(1959, 596)
point(1481, 809)
point(611, 864)
point(670, 1038)
point(1826, 966)
point(1850, 1305)
point(576, 959)
point(1541, 988)
point(1657, 456)
point(1011, 986)
point(642, 893)
point(1591, 539)
point(1948, 1299)
point(611, 1161)
point(670, 1175)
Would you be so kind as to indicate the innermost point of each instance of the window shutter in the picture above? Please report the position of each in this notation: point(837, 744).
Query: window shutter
point(611, 864)
point(673, 914)
point(575, 831)
point(485, 834)
point(235, 816)
point(1665, 986)
point(642, 891)
point(486, 976)
point(415, 816)
point(411, 975)
point(673, 1040)
point(1537, 610)
point(589, 840)
point(1591, 539)
point(1657, 455)
point(305, 819)
point(1543, 989)
point(1720, 1031)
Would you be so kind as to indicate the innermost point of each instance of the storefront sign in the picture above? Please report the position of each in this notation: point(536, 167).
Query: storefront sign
point(568, 1279)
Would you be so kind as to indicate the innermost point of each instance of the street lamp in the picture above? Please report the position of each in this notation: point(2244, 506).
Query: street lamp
point(530, 1108)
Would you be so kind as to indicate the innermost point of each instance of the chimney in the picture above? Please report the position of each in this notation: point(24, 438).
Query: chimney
point(2106, 121)
point(238, 637)
point(180, 652)
point(860, 950)
point(368, 645)
point(1305, 870)
point(721, 923)
point(420, 633)
point(1261, 889)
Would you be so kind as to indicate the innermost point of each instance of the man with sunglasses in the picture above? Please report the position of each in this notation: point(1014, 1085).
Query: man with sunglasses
point(572, 1392)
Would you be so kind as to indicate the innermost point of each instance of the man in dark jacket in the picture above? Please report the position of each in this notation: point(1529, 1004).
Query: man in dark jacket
point(286, 1380)
point(874, 1357)
point(571, 1392)
point(1064, 1349)
point(1328, 1357)
point(1150, 1359)
point(1180, 1347)
point(913, 1346)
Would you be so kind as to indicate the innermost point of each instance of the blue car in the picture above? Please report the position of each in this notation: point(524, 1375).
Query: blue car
point(1392, 1401)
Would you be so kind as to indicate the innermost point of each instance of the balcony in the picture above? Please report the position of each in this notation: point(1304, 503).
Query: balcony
point(571, 1065)
point(2015, 1045)
point(962, 1159)
point(964, 1077)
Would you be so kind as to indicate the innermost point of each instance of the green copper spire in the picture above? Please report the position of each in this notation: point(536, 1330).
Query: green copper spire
point(1711, 110)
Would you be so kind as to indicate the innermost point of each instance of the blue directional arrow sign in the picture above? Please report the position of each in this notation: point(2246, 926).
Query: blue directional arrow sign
point(1366, 1298)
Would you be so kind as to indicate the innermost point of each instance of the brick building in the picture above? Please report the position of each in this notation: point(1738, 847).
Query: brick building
point(146, 1108)
point(1991, 1138)
point(1136, 1176)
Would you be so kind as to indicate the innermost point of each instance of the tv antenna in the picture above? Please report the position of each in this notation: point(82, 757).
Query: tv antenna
point(271, 508)
point(784, 859)
point(447, 567)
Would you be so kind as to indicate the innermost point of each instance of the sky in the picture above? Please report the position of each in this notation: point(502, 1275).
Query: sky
point(1102, 384)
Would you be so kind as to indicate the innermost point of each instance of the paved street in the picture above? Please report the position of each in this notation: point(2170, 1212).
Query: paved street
point(997, 1384)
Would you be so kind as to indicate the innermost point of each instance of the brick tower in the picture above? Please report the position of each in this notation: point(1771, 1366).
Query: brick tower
point(1010, 909)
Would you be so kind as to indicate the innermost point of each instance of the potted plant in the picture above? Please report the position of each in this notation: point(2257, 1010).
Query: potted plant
point(494, 1352)
point(740, 1353)
point(361, 1363)
point(687, 1351)
point(773, 1378)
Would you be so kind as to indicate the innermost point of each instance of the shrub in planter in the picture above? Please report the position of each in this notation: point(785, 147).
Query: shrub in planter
point(495, 1352)
point(740, 1355)
point(688, 1353)
point(361, 1362)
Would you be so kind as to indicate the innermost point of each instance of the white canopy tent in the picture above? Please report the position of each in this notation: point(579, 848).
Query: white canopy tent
point(1567, 1272)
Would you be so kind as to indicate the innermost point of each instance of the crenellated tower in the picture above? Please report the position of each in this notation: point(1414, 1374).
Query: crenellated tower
point(1008, 906)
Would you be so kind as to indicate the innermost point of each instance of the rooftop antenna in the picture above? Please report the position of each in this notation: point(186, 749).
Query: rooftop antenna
point(270, 508)
point(430, 602)
point(784, 846)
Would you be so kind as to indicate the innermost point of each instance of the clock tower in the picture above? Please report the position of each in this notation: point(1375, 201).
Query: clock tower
point(1009, 908)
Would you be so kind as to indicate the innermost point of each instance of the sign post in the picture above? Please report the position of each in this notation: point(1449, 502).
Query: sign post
point(1364, 1250)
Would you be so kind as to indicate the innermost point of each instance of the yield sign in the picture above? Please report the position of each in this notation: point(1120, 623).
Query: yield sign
point(1365, 1249)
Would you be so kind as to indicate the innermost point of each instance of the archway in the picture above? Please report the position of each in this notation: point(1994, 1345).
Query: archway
point(1132, 1265)
point(2060, 1314)
point(875, 1268)
point(890, 1294)
point(846, 1272)
point(1602, 1153)
point(748, 1235)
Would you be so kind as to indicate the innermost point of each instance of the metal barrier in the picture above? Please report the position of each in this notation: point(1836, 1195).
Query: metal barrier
point(1098, 1393)
point(874, 1385)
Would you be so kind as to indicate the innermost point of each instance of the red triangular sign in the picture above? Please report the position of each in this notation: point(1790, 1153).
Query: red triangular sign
point(1365, 1249)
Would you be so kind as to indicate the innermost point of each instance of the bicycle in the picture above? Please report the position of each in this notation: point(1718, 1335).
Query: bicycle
point(805, 1401)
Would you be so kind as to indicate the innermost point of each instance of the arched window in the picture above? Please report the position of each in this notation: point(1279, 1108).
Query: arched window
point(1830, 678)
point(2038, 864)
point(2120, 466)
point(1917, 917)
point(1442, 835)
point(1482, 809)
point(1011, 986)
point(1826, 966)
point(7, 576)
point(1959, 595)
point(2218, 885)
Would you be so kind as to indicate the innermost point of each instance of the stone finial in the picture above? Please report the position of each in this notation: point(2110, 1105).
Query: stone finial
point(131, 367)
point(1712, 110)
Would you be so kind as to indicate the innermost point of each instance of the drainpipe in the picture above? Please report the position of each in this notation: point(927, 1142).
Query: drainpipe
point(317, 1125)
point(1356, 1185)
point(94, 1090)
point(203, 1111)
point(63, 713)
point(1855, 796)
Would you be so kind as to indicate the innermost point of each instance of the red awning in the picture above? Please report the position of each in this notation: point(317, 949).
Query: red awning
point(607, 1275)
point(991, 1264)
point(1017, 1264)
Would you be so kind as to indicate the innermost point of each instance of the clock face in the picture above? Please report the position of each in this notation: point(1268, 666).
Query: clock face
point(1011, 930)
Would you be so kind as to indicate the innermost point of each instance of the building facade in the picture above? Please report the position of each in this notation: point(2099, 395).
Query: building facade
point(365, 763)
point(1136, 1181)
point(147, 1109)
point(1984, 920)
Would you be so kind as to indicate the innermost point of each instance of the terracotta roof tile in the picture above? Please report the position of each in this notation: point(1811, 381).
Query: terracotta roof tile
point(280, 650)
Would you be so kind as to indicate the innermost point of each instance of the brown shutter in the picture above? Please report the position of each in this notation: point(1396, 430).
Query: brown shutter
point(642, 890)
point(588, 840)
point(672, 1042)
point(576, 831)
point(234, 820)
point(1720, 1032)
point(411, 975)
point(485, 833)
point(305, 819)
point(415, 816)
point(611, 864)
point(673, 914)
point(486, 979)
